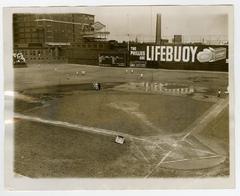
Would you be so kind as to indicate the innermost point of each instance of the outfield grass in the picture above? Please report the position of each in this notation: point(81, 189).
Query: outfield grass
point(59, 74)
point(162, 114)
point(44, 151)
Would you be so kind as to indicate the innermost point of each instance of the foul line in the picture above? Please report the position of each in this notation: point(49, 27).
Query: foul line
point(140, 152)
point(200, 158)
point(80, 127)
point(204, 119)
point(203, 151)
point(162, 160)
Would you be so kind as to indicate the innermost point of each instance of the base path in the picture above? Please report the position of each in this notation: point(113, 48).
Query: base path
point(197, 126)
point(79, 127)
point(207, 117)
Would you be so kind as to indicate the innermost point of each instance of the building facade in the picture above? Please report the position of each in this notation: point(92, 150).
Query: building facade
point(47, 37)
point(44, 29)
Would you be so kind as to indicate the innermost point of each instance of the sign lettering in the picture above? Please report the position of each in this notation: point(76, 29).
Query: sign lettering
point(176, 53)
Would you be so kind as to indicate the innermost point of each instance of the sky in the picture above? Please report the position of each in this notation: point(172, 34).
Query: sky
point(195, 22)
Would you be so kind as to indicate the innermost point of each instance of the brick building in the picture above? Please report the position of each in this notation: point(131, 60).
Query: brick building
point(47, 37)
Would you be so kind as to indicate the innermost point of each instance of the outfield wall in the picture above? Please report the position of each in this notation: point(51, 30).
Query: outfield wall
point(187, 57)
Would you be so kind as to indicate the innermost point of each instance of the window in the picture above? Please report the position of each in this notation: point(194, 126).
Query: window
point(91, 18)
point(27, 24)
point(28, 35)
point(34, 35)
point(21, 35)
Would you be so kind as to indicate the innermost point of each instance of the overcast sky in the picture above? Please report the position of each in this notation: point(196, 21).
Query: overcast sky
point(140, 21)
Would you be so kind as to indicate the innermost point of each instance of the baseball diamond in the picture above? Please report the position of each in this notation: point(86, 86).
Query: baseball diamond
point(120, 93)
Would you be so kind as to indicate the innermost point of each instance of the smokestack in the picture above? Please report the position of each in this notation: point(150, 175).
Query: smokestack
point(158, 29)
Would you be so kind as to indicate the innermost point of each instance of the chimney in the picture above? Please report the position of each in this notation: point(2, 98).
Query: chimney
point(158, 29)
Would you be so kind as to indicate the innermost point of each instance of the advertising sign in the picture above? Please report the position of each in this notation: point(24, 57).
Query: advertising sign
point(18, 58)
point(112, 59)
point(212, 55)
point(173, 53)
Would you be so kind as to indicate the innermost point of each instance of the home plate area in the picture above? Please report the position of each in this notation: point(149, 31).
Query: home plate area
point(175, 153)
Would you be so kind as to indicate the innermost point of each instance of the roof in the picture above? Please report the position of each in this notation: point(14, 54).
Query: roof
point(58, 43)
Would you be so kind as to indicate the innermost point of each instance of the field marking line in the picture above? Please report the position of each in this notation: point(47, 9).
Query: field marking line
point(37, 107)
point(204, 151)
point(212, 112)
point(158, 146)
point(80, 127)
point(179, 160)
point(140, 152)
point(203, 120)
point(196, 149)
point(156, 166)
point(187, 141)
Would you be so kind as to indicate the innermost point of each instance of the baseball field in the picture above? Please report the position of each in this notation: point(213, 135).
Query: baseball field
point(175, 123)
